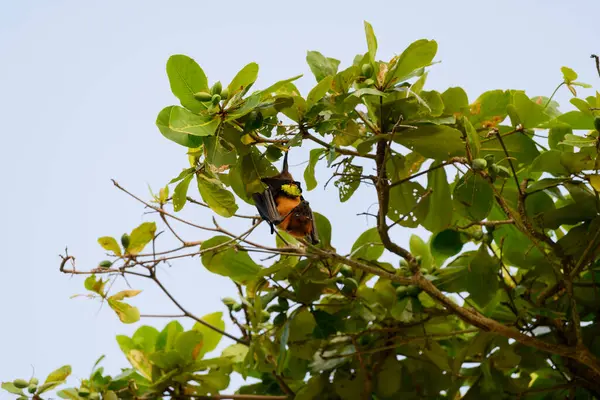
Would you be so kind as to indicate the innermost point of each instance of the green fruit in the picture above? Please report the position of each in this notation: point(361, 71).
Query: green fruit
point(22, 398)
point(264, 316)
point(365, 339)
point(367, 70)
point(403, 263)
point(503, 171)
point(489, 158)
point(346, 271)
point(236, 307)
point(228, 301)
point(597, 123)
point(125, 241)
point(479, 164)
point(395, 284)
point(254, 121)
point(224, 94)
point(203, 96)
point(413, 291)
point(339, 279)
point(216, 89)
point(32, 388)
point(216, 98)
point(95, 396)
point(369, 81)
point(350, 283)
point(404, 291)
point(279, 319)
point(105, 264)
point(419, 260)
point(20, 383)
point(283, 302)
point(34, 381)
point(401, 291)
point(84, 392)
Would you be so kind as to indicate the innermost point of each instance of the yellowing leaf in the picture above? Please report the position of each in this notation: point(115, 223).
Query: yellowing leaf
point(127, 314)
point(595, 182)
point(125, 293)
point(140, 237)
point(110, 244)
point(59, 374)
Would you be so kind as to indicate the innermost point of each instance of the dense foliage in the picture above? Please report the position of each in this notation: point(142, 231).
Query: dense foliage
point(500, 301)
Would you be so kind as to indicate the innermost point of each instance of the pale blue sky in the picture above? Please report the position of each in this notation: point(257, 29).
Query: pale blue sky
point(81, 84)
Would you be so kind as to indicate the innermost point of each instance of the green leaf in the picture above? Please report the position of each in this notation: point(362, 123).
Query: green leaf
point(446, 243)
point(166, 338)
point(433, 141)
point(568, 74)
point(140, 237)
point(455, 100)
point(473, 197)
point(389, 377)
point(439, 201)
point(368, 246)
point(482, 280)
point(349, 182)
point(71, 393)
point(318, 91)
point(419, 248)
point(94, 285)
point(309, 172)
point(180, 192)
point(211, 338)
point(127, 314)
point(186, 78)
point(163, 121)
point(59, 374)
point(244, 78)
point(490, 108)
point(578, 141)
point(417, 55)
point(11, 388)
point(189, 344)
point(371, 41)
point(110, 244)
point(321, 66)
point(575, 119)
point(549, 161)
point(437, 355)
point(227, 260)
point(403, 310)
point(323, 229)
point(145, 338)
point(526, 112)
point(219, 199)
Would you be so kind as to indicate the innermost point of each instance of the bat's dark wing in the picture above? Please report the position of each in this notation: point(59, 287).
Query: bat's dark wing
point(267, 208)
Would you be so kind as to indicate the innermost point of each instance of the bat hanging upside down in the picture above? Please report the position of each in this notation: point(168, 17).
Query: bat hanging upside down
point(282, 205)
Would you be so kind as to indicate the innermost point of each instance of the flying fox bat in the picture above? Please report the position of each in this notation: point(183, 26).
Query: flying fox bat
point(282, 205)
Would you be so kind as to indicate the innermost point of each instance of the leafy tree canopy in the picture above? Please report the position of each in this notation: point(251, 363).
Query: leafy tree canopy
point(499, 302)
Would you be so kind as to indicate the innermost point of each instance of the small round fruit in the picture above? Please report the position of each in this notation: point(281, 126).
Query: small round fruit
point(279, 319)
point(125, 241)
point(401, 291)
point(367, 70)
point(95, 396)
point(32, 388)
point(490, 158)
point(105, 264)
point(264, 316)
point(254, 121)
point(503, 171)
point(494, 169)
point(224, 94)
point(20, 383)
point(597, 123)
point(203, 96)
point(34, 381)
point(216, 98)
point(479, 164)
point(369, 81)
point(350, 283)
point(228, 301)
point(413, 291)
point(84, 392)
point(346, 271)
point(403, 263)
point(283, 302)
point(236, 307)
point(339, 279)
point(217, 87)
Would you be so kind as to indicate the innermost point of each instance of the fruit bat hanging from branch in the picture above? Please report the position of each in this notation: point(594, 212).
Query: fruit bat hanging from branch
point(282, 206)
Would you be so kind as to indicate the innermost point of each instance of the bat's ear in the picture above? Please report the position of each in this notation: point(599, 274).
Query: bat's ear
point(299, 185)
